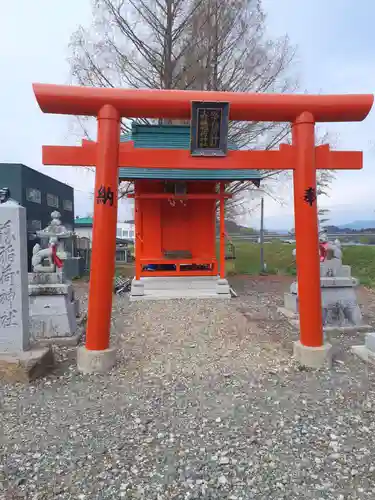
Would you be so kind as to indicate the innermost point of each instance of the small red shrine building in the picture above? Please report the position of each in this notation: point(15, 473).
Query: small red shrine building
point(176, 209)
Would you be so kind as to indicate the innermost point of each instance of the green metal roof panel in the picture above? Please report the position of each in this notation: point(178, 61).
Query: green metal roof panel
point(83, 221)
point(188, 174)
point(175, 137)
point(162, 137)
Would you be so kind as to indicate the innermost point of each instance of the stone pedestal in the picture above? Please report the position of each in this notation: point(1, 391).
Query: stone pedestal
point(340, 308)
point(222, 287)
point(19, 361)
point(53, 309)
point(137, 288)
point(366, 352)
point(313, 357)
point(73, 267)
point(95, 361)
point(179, 287)
point(26, 366)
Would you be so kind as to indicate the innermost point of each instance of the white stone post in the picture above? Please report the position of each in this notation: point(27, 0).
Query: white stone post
point(14, 297)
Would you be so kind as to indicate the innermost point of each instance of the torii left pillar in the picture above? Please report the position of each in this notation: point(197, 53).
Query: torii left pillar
point(97, 355)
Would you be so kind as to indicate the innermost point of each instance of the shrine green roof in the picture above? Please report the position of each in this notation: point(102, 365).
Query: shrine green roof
point(83, 221)
point(175, 137)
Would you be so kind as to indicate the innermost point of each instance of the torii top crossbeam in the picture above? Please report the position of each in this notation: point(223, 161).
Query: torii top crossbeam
point(70, 100)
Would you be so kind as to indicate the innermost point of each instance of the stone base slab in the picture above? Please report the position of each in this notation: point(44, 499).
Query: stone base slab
point(61, 341)
point(179, 287)
point(45, 278)
point(95, 361)
point(137, 288)
point(335, 266)
point(291, 302)
point(364, 353)
point(51, 289)
point(348, 329)
point(370, 341)
point(77, 308)
point(177, 295)
point(52, 316)
point(294, 321)
point(222, 287)
point(290, 315)
point(313, 357)
point(26, 366)
point(337, 282)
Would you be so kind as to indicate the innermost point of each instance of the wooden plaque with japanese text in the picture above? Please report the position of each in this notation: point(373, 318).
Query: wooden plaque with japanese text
point(209, 128)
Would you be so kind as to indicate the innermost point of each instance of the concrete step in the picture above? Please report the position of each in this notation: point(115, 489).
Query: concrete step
point(180, 294)
point(184, 287)
point(180, 284)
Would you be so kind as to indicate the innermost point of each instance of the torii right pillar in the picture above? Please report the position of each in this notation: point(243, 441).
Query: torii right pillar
point(310, 350)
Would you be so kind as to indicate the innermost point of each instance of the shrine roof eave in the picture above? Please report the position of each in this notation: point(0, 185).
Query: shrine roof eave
point(130, 174)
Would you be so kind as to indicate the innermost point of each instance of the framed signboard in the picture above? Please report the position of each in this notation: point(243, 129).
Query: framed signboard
point(209, 128)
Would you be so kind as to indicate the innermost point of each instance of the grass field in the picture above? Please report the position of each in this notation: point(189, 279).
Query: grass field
point(279, 260)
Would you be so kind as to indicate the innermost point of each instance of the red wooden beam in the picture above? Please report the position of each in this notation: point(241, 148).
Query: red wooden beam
point(129, 156)
point(84, 155)
point(325, 159)
point(282, 159)
point(69, 155)
point(182, 159)
point(135, 103)
point(170, 196)
point(196, 272)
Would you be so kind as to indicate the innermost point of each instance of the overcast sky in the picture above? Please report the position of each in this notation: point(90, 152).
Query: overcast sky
point(336, 54)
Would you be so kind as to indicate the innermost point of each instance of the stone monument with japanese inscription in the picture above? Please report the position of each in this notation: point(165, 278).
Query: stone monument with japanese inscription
point(340, 307)
point(19, 361)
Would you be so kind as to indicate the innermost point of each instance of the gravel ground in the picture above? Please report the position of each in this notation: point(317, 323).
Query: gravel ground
point(205, 402)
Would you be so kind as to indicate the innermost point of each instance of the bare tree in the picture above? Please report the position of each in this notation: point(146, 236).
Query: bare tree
point(133, 43)
point(188, 44)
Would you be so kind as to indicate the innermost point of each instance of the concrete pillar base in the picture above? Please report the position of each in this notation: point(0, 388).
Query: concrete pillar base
point(95, 361)
point(313, 357)
point(137, 288)
point(222, 287)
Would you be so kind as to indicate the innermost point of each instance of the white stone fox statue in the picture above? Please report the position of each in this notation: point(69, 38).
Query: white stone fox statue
point(49, 253)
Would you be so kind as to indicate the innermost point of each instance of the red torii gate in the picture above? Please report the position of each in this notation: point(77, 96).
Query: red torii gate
point(108, 154)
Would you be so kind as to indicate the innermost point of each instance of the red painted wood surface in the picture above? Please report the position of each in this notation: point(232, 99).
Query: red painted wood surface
point(104, 232)
point(170, 274)
point(282, 159)
point(189, 225)
point(222, 230)
point(307, 240)
point(131, 103)
point(180, 197)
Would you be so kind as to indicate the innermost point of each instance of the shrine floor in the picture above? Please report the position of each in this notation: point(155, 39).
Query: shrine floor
point(205, 402)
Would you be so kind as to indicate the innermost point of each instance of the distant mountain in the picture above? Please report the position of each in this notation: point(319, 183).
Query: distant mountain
point(282, 232)
point(359, 225)
point(232, 228)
